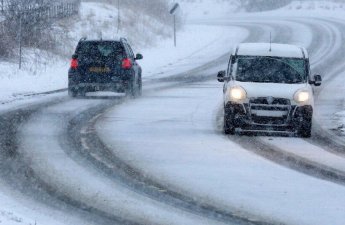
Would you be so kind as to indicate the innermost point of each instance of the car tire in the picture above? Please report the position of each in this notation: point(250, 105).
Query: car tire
point(130, 90)
point(140, 87)
point(82, 92)
point(72, 92)
point(228, 127)
point(304, 129)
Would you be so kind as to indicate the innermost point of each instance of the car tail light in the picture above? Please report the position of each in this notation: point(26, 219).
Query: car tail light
point(74, 63)
point(126, 64)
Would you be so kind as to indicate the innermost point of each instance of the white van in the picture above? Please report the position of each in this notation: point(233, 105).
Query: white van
point(268, 88)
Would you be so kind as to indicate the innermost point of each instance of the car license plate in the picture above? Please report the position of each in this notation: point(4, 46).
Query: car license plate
point(269, 113)
point(99, 69)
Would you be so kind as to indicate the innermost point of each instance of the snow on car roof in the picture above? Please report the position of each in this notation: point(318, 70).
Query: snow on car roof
point(117, 38)
point(278, 50)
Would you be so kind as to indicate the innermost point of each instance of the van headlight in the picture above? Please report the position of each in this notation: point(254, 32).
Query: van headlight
point(302, 96)
point(237, 93)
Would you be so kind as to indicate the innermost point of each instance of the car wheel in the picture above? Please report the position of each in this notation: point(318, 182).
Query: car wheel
point(72, 92)
point(140, 87)
point(82, 92)
point(130, 90)
point(304, 129)
point(229, 127)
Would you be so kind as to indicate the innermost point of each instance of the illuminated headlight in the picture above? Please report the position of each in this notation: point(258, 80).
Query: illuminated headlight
point(301, 96)
point(237, 94)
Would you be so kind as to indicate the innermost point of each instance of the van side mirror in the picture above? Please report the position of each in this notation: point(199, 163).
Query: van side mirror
point(139, 56)
point(221, 75)
point(317, 80)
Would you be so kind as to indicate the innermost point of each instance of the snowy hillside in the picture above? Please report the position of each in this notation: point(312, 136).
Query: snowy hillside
point(98, 20)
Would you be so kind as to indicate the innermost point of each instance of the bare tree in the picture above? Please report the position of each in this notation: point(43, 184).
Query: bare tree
point(30, 22)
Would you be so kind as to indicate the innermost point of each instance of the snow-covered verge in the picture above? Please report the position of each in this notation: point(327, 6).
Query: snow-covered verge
point(35, 77)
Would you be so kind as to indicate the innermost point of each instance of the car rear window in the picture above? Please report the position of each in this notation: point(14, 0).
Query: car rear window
point(100, 49)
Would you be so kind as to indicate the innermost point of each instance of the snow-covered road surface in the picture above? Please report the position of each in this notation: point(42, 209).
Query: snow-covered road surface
point(181, 146)
point(40, 139)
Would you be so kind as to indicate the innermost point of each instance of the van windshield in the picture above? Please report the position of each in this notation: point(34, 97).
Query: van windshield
point(264, 69)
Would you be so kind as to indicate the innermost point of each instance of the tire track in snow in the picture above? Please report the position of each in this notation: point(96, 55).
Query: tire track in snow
point(17, 172)
point(133, 178)
point(90, 147)
point(86, 141)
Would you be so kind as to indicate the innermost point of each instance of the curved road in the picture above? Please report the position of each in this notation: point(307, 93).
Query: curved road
point(42, 137)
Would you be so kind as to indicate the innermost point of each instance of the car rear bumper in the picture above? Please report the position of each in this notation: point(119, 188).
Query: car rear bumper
point(90, 87)
point(86, 83)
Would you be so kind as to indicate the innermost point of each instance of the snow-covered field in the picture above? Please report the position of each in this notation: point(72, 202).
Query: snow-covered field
point(213, 168)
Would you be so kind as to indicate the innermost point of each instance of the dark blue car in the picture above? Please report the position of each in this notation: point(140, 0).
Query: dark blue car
point(104, 65)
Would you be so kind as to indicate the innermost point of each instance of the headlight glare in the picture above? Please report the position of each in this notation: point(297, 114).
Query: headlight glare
point(237, 94)
point(301, 96)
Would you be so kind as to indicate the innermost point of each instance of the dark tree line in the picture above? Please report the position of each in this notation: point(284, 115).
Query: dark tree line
point(29, 23)
point(262, 5)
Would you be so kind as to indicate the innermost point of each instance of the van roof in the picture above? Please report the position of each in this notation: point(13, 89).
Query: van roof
point(277, 50)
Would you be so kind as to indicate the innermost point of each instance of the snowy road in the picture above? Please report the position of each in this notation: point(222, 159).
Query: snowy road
point(162, 159)
point(179, 130)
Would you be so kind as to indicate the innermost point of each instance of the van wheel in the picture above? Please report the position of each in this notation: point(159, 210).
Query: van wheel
point(304, 129)
point(228, 127)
